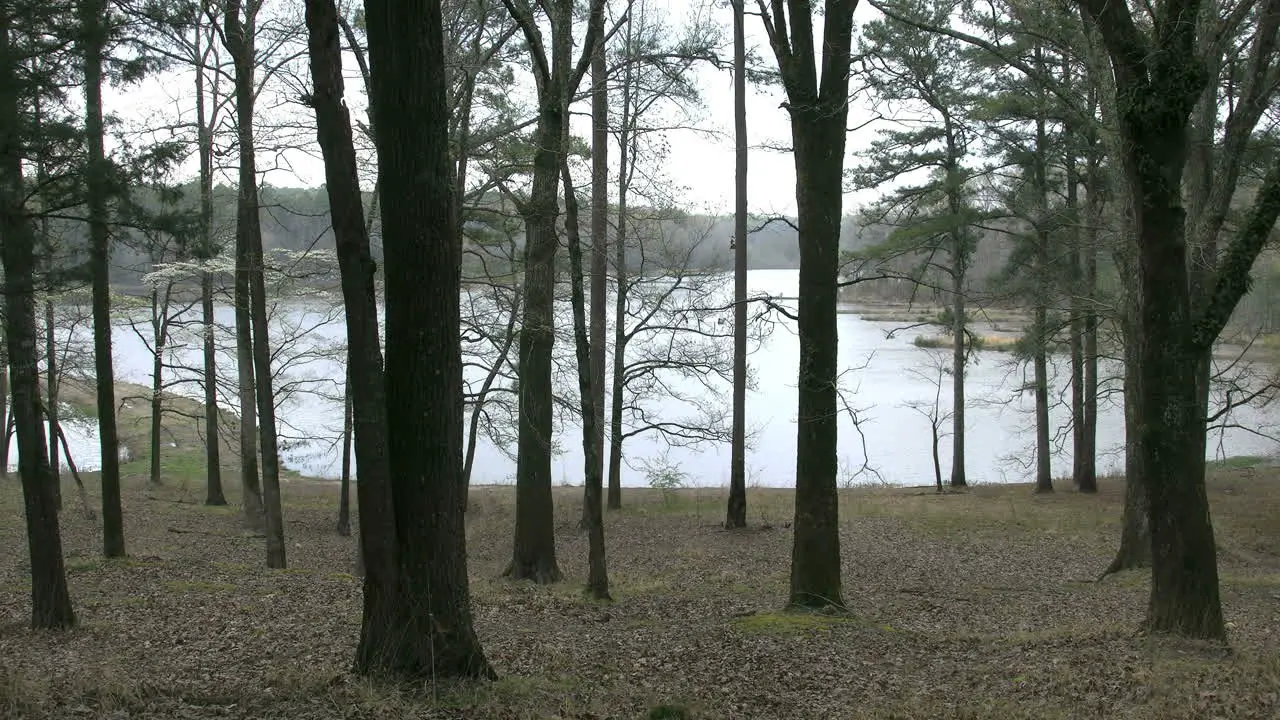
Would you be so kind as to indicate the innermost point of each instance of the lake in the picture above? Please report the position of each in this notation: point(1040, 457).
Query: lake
point(890, 443)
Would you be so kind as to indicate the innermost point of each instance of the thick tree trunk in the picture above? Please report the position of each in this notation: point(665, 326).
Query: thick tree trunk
point(1184, 589)
point(97, 189)
point(599, 247)
point(50, 602)
point(423, 380)
point(51, 398)
point(212, 437)
point(1156, 90)
point(380, 641)
point(344, 485)
point(381, 638)
point(239, 35)
point(534, 548)
point(818, 135)
point(593, 514)
point(736, 514)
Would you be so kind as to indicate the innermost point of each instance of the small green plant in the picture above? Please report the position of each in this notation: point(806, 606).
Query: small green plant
point(669, 712)
point(665, 475)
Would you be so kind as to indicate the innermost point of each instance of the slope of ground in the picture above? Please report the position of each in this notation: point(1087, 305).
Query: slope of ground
point(980, 604)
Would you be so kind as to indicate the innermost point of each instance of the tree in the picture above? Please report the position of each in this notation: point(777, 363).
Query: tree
point(239, 36)
point(97, 178)
point(934, 372)
point(599, 249)
point(736, 514)
point(423, 375)
point(655, 65)
point(593, 512)
point(928, 73)
point(557, 76)
point(366, 405)
point(1160, 77)
point(819, 108)
point(50, 601)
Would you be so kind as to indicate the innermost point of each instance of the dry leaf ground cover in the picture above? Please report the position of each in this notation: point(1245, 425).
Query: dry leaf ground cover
point(979, 604)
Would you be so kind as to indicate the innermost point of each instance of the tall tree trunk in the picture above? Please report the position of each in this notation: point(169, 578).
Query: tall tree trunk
point(212, 437)
point(423, 360)
point(599, 244)
point(959, 350)
point(818, 135)
point(50, 602)
point(736, 514)
point(621, 288)
point(597, 571)
point(1135, 532)
point(239, 35)
point(1087, 478)
point(97, 185)
point(1184, 589)
point(344, 488)
point(1156, 90)
point(534, 547)
point(960, 251)
point(384, 646)
point(159, 331)
point(1042, 270)
point(51, 395)
point(1040, 363)
point(250, 487)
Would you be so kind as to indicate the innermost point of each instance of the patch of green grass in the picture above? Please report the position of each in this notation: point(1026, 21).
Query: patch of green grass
point(1238, 462)
point(789, 623)
point(1268, 580)
point(198, 586)
point(75, 564)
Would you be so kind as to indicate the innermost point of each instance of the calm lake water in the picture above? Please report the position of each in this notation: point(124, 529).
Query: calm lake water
point(894, 376)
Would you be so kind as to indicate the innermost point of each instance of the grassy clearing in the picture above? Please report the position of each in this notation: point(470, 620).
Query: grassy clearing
point(975, 604)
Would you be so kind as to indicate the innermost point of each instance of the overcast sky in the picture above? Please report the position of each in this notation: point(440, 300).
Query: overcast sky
point(700, 163)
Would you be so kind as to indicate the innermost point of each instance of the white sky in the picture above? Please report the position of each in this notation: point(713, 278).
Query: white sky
point(698, 161)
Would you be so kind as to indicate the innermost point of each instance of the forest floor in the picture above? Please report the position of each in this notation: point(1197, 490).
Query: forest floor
point(974, 604)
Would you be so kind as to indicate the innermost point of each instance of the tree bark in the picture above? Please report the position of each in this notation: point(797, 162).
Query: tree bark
point(599, 247)
point(160, 330)
point(1156, 89)
point(597, 571)
point(50, 601)
point(212, 442)
point(736, 514)
point(240, 43)
point(1135, 532)
point(380, 648)
point(98, 188)
point(818, 135)
point(423, 377)
point(614, 499)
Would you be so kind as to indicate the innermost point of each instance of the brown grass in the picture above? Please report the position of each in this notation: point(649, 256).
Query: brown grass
point(979, 604)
